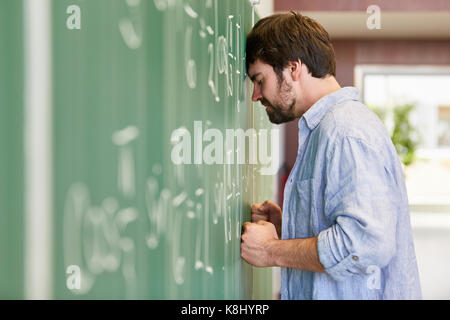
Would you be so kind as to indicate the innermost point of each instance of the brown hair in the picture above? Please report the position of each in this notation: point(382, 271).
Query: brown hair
point(285, 37)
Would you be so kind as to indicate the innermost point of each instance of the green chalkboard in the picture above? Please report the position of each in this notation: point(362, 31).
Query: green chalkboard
point(129, 85)
point(11, 151)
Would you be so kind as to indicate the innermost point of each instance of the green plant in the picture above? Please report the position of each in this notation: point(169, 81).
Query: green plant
point(404, 136)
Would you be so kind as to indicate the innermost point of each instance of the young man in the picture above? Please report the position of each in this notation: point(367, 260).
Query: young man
point(345, 230)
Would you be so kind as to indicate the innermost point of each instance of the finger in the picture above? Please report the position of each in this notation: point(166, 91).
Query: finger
point(265, 207)
point(269, 205)
point(257, 217)
point(258, 208)
point(243, 252)
point(246, 225)
point(257, 205)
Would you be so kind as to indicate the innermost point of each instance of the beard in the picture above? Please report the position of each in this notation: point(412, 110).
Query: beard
point(278, 115)
point(283, 110)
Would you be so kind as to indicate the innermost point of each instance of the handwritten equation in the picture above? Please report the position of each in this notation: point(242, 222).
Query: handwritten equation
point(97, 235)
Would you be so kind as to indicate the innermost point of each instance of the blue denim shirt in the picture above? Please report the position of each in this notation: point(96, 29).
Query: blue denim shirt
point(347, 187)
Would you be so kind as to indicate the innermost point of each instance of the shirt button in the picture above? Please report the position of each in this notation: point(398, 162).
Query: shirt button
point(355, 258)
point(291, 180)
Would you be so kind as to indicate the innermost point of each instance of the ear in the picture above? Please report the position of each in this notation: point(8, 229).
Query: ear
point(295, 68)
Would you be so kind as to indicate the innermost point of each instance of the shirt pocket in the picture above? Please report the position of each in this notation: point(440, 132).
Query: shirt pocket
point(306, 220)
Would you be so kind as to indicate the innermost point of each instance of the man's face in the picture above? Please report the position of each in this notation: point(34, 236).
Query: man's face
point(278, 97)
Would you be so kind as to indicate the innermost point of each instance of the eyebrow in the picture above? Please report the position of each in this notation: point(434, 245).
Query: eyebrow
point(253, 77)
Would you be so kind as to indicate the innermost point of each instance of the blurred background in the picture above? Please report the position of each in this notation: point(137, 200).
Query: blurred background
point(397, 53)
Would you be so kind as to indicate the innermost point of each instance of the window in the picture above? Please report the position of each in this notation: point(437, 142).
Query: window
point(428, 89)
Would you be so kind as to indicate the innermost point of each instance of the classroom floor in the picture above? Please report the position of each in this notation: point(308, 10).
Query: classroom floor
point(431, 233)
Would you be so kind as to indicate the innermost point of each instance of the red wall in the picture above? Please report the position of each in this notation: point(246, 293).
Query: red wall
point(361, 5)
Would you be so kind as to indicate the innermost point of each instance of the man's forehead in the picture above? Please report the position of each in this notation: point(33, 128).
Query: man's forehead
point(257, 68)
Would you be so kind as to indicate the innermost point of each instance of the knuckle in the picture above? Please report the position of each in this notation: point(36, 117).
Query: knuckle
point(256, 208)
point(256, 217)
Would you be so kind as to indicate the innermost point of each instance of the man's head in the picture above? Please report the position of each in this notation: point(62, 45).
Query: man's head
point(285, 54)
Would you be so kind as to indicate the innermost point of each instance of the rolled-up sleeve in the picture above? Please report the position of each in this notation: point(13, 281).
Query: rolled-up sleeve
point(359, 203)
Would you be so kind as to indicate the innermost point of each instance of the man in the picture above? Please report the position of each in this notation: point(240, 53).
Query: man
point(345, 230)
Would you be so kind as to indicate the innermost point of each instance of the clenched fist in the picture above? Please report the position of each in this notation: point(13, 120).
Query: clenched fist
point(268, 211)
point(257, 246)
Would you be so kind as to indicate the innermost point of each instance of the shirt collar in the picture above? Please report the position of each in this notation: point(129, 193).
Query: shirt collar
point(318, 110)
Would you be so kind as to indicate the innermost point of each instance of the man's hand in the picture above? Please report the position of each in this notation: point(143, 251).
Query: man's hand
point(268, 211)
point(257, 241)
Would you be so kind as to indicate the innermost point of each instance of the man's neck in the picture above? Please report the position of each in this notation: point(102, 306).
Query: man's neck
point(322, 88)
point(312, 90)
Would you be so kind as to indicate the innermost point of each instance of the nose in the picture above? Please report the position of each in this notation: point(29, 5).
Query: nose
point(256, 93)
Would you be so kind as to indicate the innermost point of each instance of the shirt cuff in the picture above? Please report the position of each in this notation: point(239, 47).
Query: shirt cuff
point(338, 270)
